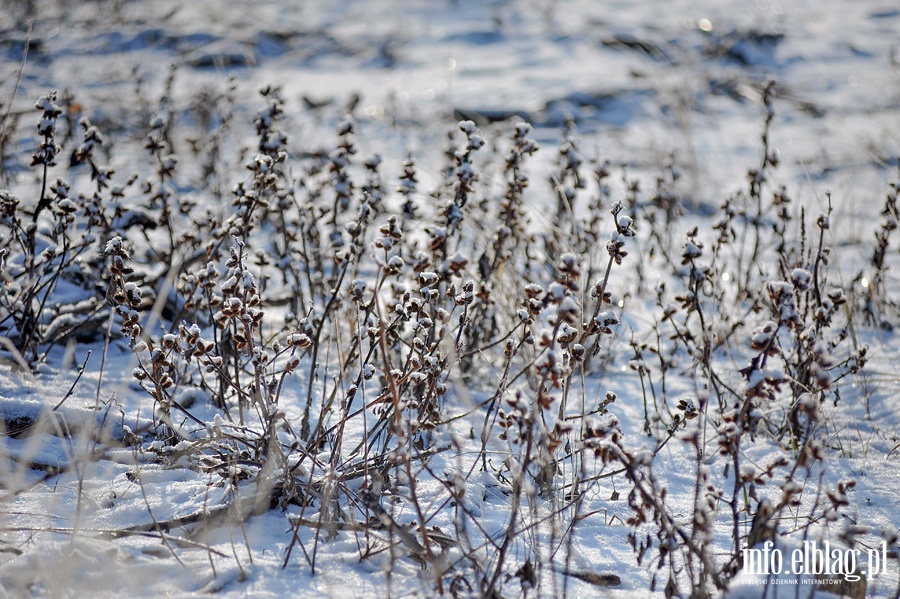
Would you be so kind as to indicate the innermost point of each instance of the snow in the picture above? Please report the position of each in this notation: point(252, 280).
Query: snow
point(86, 512)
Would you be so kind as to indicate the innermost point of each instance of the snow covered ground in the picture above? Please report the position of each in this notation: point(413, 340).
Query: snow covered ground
point(93, 505)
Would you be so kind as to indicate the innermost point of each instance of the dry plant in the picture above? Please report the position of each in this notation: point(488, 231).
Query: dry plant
point(346, 335)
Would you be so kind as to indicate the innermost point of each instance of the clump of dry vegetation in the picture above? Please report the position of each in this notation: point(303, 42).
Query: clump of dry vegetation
point(324, 335)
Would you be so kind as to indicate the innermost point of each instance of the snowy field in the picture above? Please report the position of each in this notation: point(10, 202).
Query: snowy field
point(417, 298)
